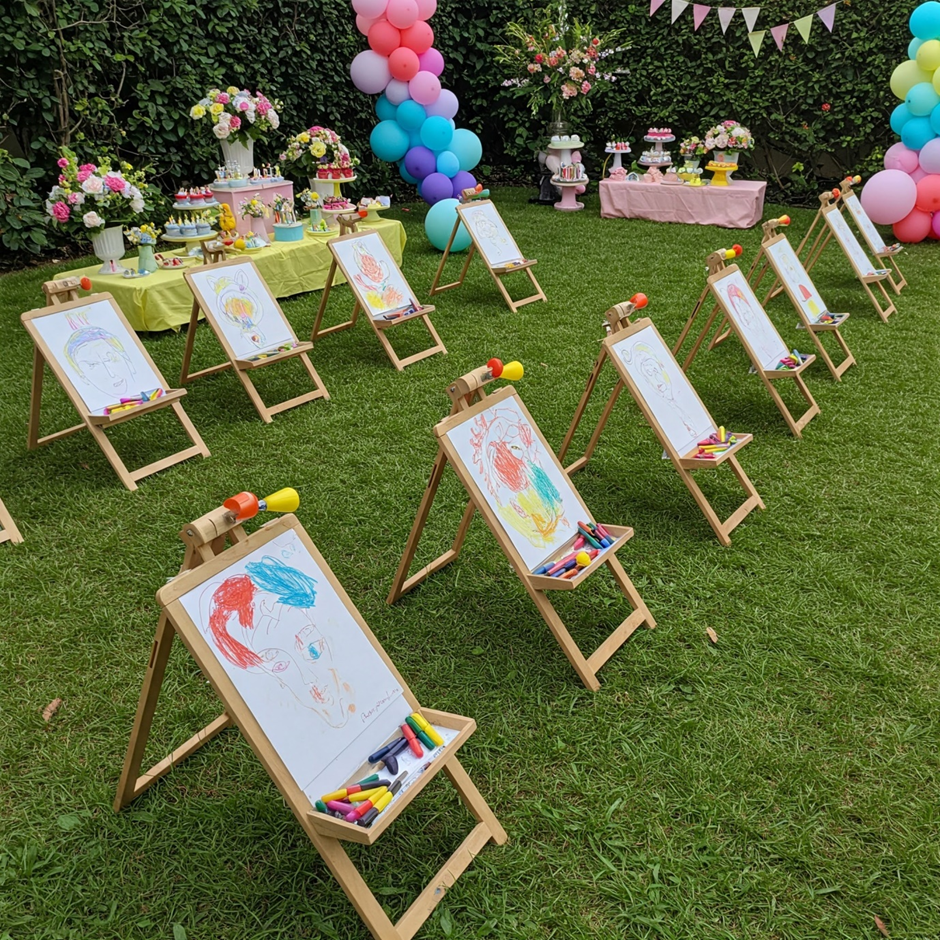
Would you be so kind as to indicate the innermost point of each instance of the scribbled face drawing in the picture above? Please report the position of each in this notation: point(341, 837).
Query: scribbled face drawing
point(373, 278)
point(484, 226)
point(263, 622)
point(657, 377)
point(506, 455)
point(740, 304)
point(100, 360)
point(237, 304)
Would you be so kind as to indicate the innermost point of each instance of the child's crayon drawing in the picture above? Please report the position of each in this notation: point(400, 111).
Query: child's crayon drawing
point(378, 282)
point(493, 238)
point(750, 318)
point(788, 267)
point(875, 242)
point(850, 244)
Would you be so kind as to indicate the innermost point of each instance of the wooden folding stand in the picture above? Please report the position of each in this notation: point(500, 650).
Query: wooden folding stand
point(876, 244)
point(63, 297)
point(8, 530)
point(206, 553)
point(362, 288)
point(469, 400)
point(249, 356)
point(485, 245)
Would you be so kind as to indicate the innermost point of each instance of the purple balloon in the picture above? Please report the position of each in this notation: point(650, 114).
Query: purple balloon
point(446, 105)
point(431, 61)
point(421, 162)
point(436, 187)
point(396, 91)
point(463, 180)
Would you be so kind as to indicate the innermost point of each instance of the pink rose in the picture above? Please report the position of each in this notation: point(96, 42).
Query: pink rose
point(62, 180)
point(83, 175)
point(585, 87)
point(243, 104)
point(61, 212)
point(115, 183)
point(222, 98)
point(263, 108)
point(235, 123)
point(62, 162)
point(88, 168)
point(74, 198)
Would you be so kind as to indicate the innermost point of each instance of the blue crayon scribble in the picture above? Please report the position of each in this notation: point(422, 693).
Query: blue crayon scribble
point(291, 586)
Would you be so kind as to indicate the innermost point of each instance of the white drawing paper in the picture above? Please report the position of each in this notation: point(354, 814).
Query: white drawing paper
point(510, 464)
point(750, 319)
point(875, 242)
point(788, 267)
point(374, 275)
point(100, 356)
point(493, 238)
point(241, 307)
point(850, 244)
point(665, 389)
point(320, 691)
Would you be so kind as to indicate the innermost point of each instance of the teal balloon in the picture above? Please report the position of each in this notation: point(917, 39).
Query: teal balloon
point(467, 147)
point(935, 120)
point(389, 141)
point(439, 223)
point(899, 117)
point(913, 46)
point(405, 175)
point(436, 133)
point(411, 115)
point(414, 139)
point(384, 109)
point(448, 164)
point(917, 132)
point(922, 99)
point(925, 20)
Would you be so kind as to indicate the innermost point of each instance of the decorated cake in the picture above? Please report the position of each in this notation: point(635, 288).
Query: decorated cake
point(570, 173)
point(336, 203)
point(656, 157)
point(661, 134)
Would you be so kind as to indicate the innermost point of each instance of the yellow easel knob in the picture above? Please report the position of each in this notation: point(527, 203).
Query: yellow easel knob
point(285, 500)
point(512, 371)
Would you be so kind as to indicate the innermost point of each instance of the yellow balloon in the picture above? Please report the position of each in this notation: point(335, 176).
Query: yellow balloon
point(906, 76)
point(936, 81)
point(928, 55)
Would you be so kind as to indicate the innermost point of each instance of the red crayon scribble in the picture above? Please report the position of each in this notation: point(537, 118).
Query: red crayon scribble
point(233, 596)
point(509, 468)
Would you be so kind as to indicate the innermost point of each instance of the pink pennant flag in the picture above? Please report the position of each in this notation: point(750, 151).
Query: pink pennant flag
point(828, 15)
point(750, 15)
point(699, 12)
point(655, 5)
point(725, 15)
point(780, 33)
point(678, 8)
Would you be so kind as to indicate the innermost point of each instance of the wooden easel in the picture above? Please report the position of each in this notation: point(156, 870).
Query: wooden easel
point(243, 367)
point(876, 244)
point(497, 273)
point(616, 319)
point(206, 554)
point(467, 399)
point(379, 327)
point(63, 296)
point(717, 270)
point(831, 216)
point(8, 530)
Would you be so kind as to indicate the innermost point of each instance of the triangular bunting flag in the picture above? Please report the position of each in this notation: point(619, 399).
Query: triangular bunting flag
point(678, 6)
point(750, 17)
point(699, 12)
point(804, 25)
point(780, 34)
point(828, 15)
point(757, 40)
point(655, 5)
point(725, 14)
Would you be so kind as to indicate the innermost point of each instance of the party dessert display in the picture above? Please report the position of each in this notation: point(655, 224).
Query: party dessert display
point(661, 135)
point(570, 173)
point(266, 174)
point(286, 226)
point(229, 177)
point(198, 197)
point(320, 153)
point(565, 142)
point(617, 146)
point(655, 158)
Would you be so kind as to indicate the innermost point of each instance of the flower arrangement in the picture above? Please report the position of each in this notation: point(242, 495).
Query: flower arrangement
point(319, 150)
point(237, 114)
point(283, 209)
point(253, 207)
point(728, 135)
point(310, 199)
point(558, 63)
point(91, 196)
point(692, 147)
point(144, 234)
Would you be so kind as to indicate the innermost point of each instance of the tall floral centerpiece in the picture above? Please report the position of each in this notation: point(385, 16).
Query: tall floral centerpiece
point(320, 154)
point(96, 199)
point(692, 149)
point(239, 118)
point(727, 140)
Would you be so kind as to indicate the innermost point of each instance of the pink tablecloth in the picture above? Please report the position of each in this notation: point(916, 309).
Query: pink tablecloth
point(740, 205)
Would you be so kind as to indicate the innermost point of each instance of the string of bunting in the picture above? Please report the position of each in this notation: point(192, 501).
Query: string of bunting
point(756, 36)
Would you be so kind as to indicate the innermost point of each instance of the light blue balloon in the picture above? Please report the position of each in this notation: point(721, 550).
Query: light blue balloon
point(405, 175)
point(466, 145)
point(411, 115)
point(913, 46)
point(414, 139)
point(448, 164)
point(935, 120)
point(439, 223)
point(899, 117)
point(389, 141)
point(384, 109)
point(436, 133)
point(922, 99)
point(917, 132)
point(925, 20)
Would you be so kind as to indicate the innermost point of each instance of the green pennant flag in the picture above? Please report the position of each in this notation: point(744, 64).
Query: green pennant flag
point(757, 40)
point(804, 25)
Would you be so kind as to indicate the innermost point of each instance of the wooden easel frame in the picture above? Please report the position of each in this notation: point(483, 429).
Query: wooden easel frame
point(243, 368)
point(496, 273)
point(463, 393)
point(379, 327)
point(8, 530)
point(205, 540)
point(882, 252)
point(98, 424)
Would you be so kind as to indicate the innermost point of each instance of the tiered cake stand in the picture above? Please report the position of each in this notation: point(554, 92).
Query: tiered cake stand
point(617, 154)
point(563, 149)
point(658, 143)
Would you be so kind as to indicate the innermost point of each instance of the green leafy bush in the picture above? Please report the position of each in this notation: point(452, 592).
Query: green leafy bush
point(22, 219)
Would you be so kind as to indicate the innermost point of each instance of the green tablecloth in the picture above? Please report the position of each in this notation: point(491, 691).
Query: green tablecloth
point(162, 301)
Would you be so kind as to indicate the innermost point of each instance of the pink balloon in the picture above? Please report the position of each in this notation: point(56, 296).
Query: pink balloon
point(426, 9)
point(447, 104)
point(918, 175)
point(402, 13)
point(365, 23)
point(384, 38)
point(913, 227)
point(397, 91)
point(425, 88)
point(888, 197)
point(370, 8)
point(431, 61)
point(403, 64)
point(936, 225)
point(899, 157)
point(928, 193)
point(419, 37)
point(369, 72)
point(929, 156)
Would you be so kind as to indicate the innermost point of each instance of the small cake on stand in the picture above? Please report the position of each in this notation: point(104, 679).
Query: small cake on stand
point(618, 148)
point(657, 156)
point(570, 177)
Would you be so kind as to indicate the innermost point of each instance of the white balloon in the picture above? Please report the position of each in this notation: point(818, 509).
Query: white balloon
point(397, 91)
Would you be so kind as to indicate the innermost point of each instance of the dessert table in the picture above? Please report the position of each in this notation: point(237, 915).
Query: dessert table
point(162, 301)
point(740, 205)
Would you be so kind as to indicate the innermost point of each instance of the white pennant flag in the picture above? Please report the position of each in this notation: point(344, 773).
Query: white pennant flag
point(750, 15)
point(678, 7)
point(725, 15)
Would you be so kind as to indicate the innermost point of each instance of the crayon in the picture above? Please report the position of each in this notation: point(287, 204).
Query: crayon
point(416, 748)
point(368, 819)
point(376, 756)
point(321, 806)
point(578, 542)
point(604, 532)
point(419, 733)
point(367, 795)
point(544, 569)
point(560, 572)
point(370, 779)
point(342, 794)
point(391, 763)
point(362, 809)
point(397, 748)
point(428, 729)
point(385, 800)
point(558, 565)
point(571, 573)
point(339, 806)
point(583, 529)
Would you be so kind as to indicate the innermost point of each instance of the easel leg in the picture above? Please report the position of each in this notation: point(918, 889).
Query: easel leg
point(190, 429)
point(314, 375)
point(693, 352)
point(835, 370)
point(35, 399)
point(190, 343)
point(349, 324)
point(724, 529)
point(688, 323)
point(118, 465)
point(601, 424)
point(582, 404)
point(254, 395)
point(474, 801)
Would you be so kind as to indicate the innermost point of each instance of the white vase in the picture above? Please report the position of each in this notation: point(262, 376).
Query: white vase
point(323, 187)
point(243, 155)
point(109, 248)
point(727, 156)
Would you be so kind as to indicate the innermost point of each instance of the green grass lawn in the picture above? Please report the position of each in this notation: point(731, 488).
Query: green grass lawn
point(782, 785)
